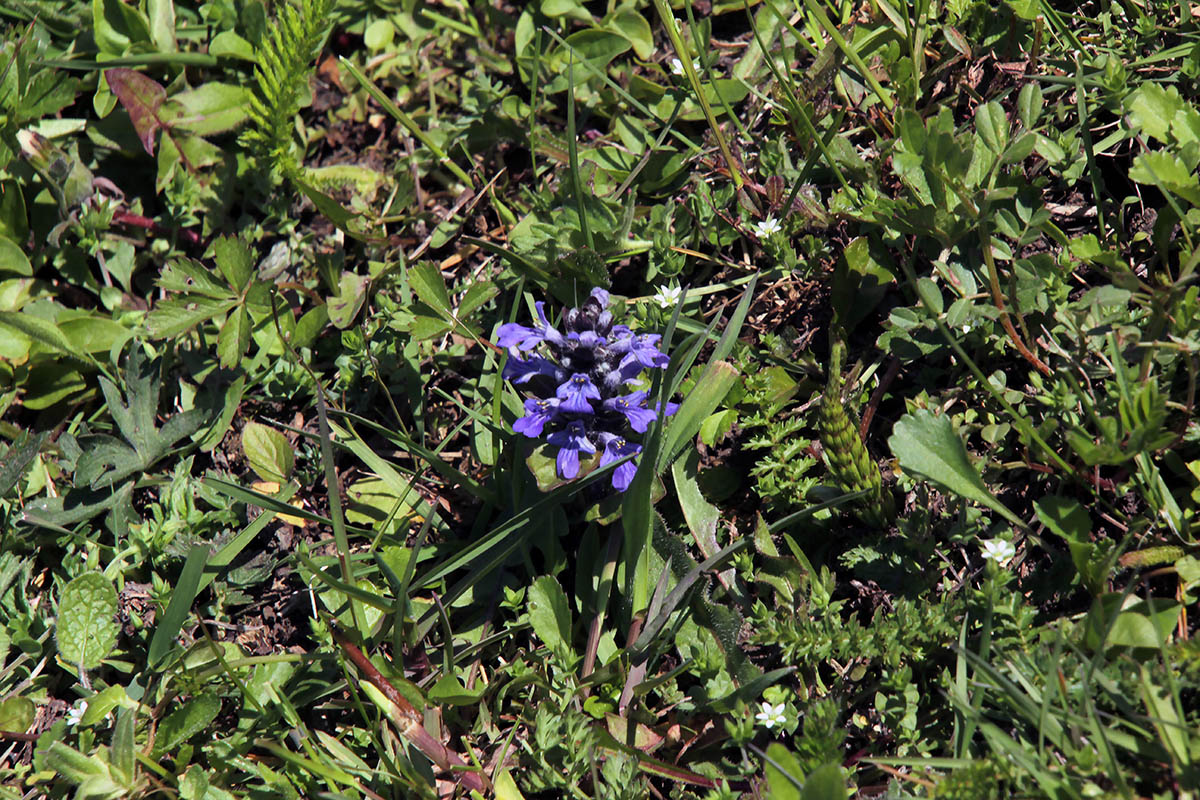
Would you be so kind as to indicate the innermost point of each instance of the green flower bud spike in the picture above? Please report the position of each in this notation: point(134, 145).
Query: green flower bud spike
point(849, 462)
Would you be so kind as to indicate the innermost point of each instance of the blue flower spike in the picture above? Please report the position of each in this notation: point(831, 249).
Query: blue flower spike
point(577, 380)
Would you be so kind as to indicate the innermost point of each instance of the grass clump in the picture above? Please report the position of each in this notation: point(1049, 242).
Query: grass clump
point(696, 400)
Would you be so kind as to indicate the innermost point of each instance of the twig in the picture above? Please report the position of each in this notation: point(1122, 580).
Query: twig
point(413, 728)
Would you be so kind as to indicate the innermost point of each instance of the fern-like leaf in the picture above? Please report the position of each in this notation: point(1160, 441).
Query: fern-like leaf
point(285, 56)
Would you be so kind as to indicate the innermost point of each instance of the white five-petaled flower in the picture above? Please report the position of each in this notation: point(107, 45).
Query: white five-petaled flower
point(770, 716)
point(667, 296)
point(999, 550)
point(75, 713)
point(767, 227)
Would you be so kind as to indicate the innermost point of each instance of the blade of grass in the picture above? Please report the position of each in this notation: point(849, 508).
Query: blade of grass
point(573, 156)
point(668, 21)
point(408, 122)
point(182, 597)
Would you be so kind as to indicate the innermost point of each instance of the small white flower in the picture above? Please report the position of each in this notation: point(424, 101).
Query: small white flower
point(767, 227)
point(667, 296)
point(677, 66)
point(999, 550)
point(75, 713)
point(770, 716)
point(967, 328)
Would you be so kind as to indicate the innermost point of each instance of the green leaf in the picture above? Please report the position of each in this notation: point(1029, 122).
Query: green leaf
point(701, 516)
point(1166, 170)
point(1065, 517)
point(714, 383)
point(379, 34)
point(825, 783)
point(926, 445)
point(550, 615)
point(191, 277)
point(1030, 102)
point(233, 338)
point(1068, 519)
point(16, 714)
point(450, 690)
point(427, 283)
point(45, 333)
point(1138, 624)
point(185, 722)
point(235, 260)
point(174, 316)
point(785, 777)
point(17, 459)
point(269, 452)
point(85, 630)
point(344, 306)
point(142, 97)
point(634, 27)
point(992, 125)
point(12, 258)
point(117, 26)
point(107, 461)
point(931, 295)
point(590, 51)
point(99, 705)
point(211, 108)
point(506, 787)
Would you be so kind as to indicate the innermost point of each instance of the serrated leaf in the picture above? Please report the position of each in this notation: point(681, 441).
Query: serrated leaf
point(85, 629)
point(550, 615)
point(926, 445)
point(427, 284)
point(137, 423)
point(175, 316)
point(191, 277)
point(1166, 170)
point(185, 722)
point(269, 452)
point(235, 260)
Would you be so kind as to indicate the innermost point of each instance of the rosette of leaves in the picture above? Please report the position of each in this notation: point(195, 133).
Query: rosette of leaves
point(580, 384)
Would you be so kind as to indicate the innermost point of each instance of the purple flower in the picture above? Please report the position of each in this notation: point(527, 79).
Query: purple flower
point(514, 335)
point(634, 408)
point(616, 448)
point(574, 393)
point(575, 379)
point(537, 414)
point(668, 411)
point(521, 370)
point(641, 350)
point(571, 441)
